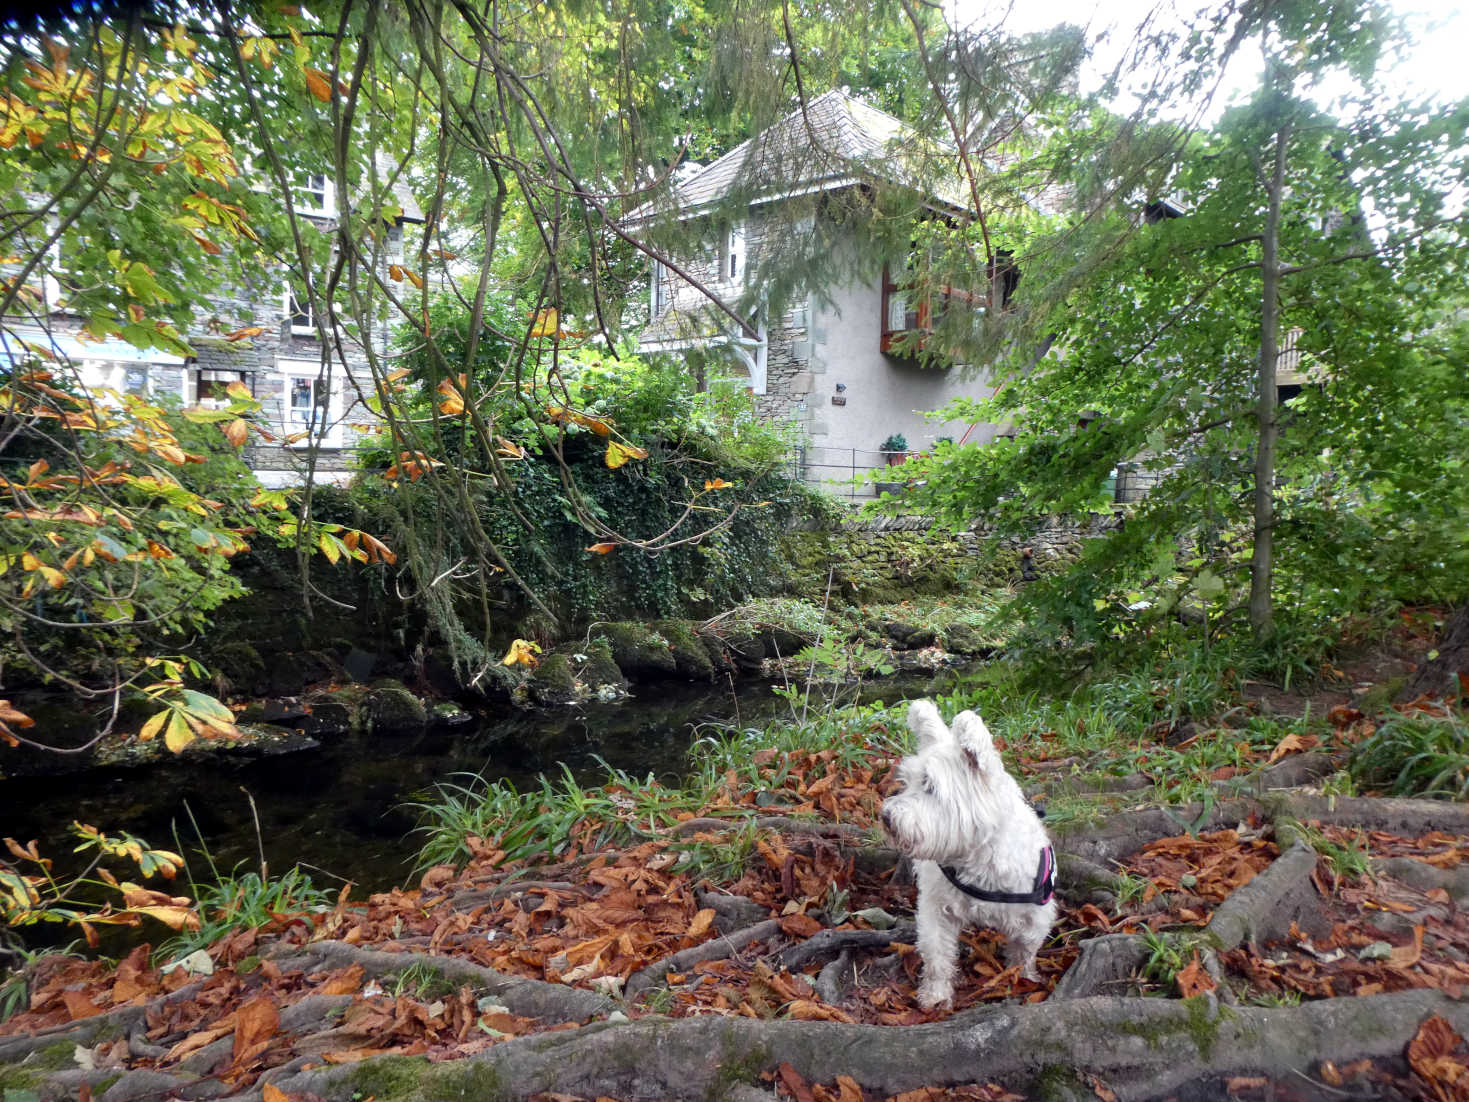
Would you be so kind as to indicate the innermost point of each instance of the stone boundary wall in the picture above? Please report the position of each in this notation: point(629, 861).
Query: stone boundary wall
point(885, 559)
point(1052, 536)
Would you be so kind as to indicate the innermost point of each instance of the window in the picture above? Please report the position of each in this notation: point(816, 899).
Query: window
point(306, 413)
point(312, 194)
point(659, 297)
point(211, 386)
point(135, 379)
point(300, 313)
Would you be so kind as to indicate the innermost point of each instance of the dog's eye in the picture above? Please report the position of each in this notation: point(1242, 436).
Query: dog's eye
point(927, 785)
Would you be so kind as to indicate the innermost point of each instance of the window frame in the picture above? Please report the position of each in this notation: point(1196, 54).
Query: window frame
point(299, 304)
point(310, 372)
point(303, 194)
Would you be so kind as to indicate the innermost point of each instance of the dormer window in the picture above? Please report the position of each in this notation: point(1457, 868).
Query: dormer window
point(732, 253)
point(659, 293)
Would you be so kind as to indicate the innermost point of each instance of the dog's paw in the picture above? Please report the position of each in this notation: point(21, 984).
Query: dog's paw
point(933, 996)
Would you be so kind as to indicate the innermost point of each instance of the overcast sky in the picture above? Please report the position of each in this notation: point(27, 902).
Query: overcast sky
point(1437, 66)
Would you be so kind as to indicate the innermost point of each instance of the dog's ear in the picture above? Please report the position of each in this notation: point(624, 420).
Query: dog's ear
point(974, 739)
point(926, 723)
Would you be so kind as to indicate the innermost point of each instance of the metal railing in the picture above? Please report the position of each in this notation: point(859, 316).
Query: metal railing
point(843, 472)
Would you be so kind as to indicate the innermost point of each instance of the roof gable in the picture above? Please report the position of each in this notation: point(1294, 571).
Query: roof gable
point(835, 141)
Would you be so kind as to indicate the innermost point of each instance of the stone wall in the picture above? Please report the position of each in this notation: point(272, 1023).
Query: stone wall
point(890, 558)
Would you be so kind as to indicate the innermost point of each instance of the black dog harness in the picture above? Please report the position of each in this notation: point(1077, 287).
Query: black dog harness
point(1041, 893)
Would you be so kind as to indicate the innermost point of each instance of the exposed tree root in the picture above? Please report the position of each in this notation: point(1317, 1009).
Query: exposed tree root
point(717, 949)
point(528, 998)
point(831, 942)
point(1140, 1048)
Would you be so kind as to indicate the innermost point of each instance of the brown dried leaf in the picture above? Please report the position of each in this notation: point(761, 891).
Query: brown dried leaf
point(701, 923)
point(1193, 980)
point(256, 1022)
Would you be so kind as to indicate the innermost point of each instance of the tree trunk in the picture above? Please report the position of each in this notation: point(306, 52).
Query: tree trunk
point(1262, 612)
point(1449, 672)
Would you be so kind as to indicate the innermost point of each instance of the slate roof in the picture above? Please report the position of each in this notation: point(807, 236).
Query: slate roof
point(837, 140)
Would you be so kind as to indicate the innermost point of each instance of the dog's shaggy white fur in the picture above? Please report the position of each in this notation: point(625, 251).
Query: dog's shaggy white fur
point(960, 808)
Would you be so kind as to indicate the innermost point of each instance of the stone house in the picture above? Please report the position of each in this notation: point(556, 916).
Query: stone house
point(831, 359)
point(309, 400)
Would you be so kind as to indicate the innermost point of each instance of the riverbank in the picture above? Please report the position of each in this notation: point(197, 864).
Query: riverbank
point(1223, 888)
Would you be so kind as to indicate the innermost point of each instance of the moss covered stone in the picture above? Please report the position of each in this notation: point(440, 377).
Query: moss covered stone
point(689, 656)
point(552, 681)
point(640, 653)
point(392, 708)
point(600, 668)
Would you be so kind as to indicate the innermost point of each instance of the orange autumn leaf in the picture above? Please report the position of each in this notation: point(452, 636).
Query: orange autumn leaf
point(601, 548)
point(244, 334)
point(716, 484)
point(237, 432)
point(256, 1022)
point(701, 923)
point(1292, 744)
point(1431, 1054)
point(1193, 979)
point(318, 85)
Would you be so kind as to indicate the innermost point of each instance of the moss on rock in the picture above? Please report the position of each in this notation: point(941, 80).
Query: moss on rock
point(690, 658)
point(640, 653)
point(600, 669)
point(552, 681)
point(392, 708)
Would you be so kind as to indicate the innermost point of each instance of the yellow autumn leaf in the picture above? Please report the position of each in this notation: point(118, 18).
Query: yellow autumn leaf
point(716, 484)
point(619, 453)
point(152, 727)
point(178, 734)
point(522, 652)
point(545, 323)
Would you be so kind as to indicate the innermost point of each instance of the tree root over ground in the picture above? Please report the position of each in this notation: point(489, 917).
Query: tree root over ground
point(1083, 1034)
point(1139, 1048)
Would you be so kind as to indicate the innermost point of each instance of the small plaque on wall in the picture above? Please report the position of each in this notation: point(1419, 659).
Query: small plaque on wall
point(838, 399)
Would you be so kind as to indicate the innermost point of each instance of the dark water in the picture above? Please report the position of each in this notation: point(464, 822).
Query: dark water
point(338, 809)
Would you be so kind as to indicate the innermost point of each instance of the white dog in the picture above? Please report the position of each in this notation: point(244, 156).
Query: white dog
point(981, 854)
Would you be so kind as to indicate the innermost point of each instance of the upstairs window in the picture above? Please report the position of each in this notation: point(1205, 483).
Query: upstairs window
point(659, 296)
point(300, 314)
point(732, 253)
point(311, 193)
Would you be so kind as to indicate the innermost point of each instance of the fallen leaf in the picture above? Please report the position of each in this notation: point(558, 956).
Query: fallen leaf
point(256, 1022)
point(1405, 956)
point(1292, 744)
point(701, 923)
point(1193, 979)
point(1430, 1054)
point(78, 1006)
point(1245, 1083)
